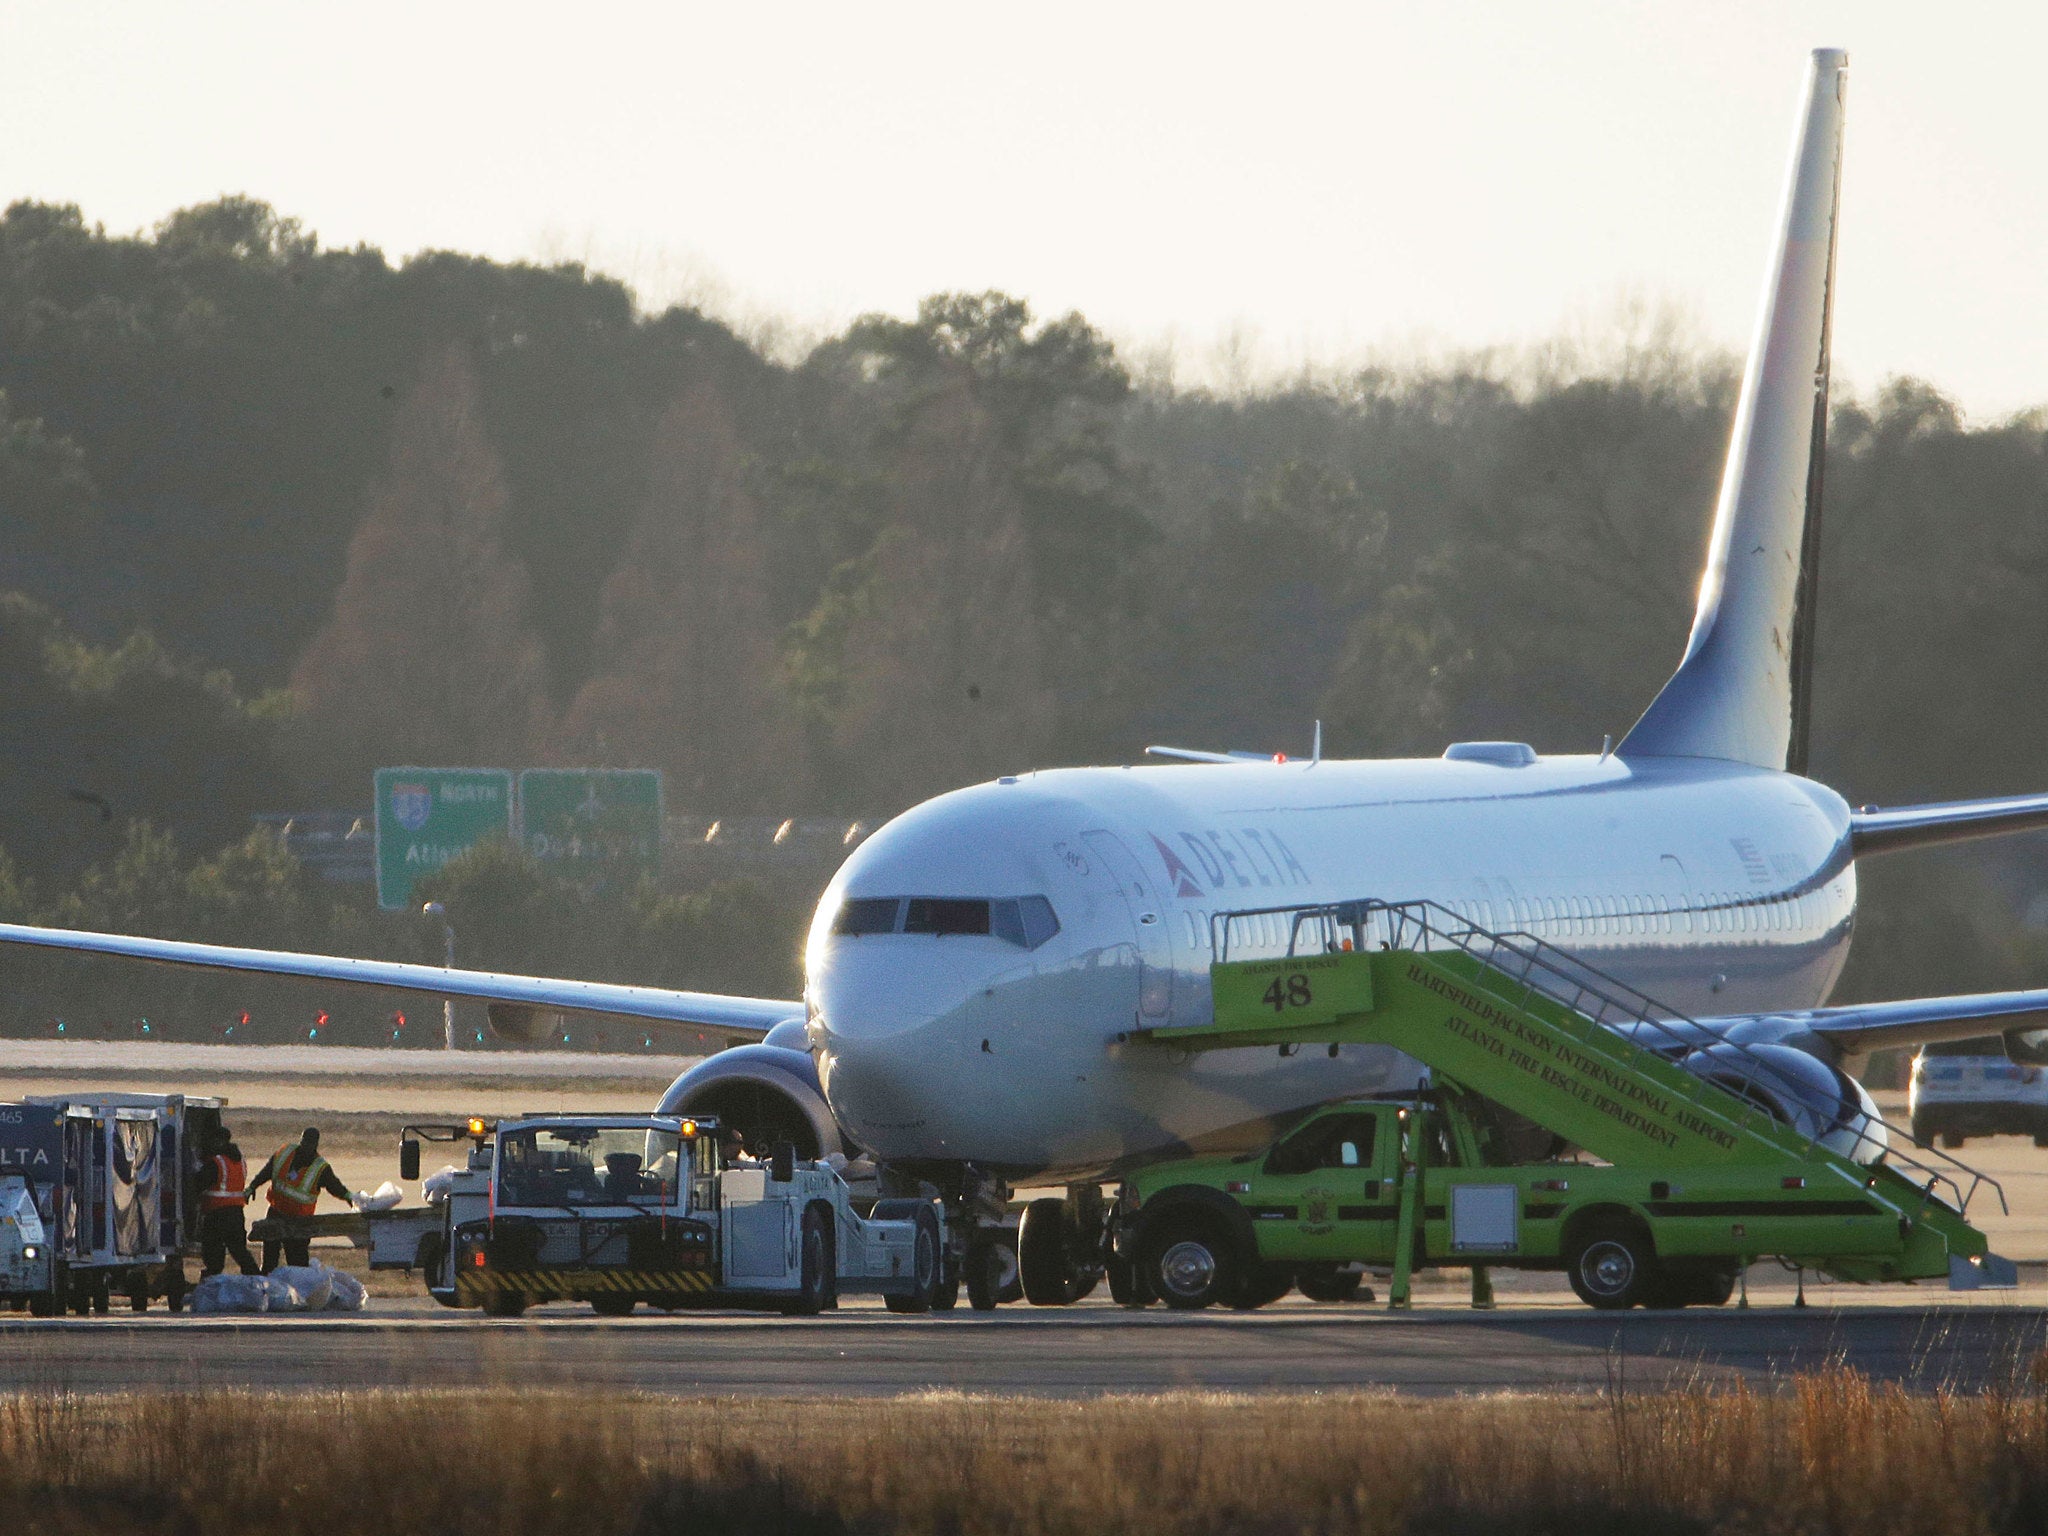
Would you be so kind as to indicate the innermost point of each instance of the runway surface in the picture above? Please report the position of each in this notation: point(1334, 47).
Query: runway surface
point(1083, 1351)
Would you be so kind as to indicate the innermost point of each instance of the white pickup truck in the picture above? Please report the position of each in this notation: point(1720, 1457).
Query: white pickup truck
point(618, 1210)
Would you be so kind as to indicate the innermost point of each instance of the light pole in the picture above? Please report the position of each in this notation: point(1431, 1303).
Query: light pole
point(436, 909)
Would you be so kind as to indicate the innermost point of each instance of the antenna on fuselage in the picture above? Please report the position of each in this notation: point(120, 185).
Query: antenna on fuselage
point(1316, 752)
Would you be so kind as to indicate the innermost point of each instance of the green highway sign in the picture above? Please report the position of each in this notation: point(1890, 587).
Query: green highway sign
point(426, 816)
point(598, 821)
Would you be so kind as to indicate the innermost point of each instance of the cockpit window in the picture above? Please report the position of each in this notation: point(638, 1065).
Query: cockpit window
point(1025, 921)
point(944, 914)
point(867, 915)
point(1035, 921)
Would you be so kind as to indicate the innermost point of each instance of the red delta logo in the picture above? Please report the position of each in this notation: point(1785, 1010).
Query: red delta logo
point(1182, 877)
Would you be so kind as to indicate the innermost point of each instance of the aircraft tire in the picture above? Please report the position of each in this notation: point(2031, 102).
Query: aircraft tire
point(1045, 1255)
point(1127, 1286)
point(989, 1267)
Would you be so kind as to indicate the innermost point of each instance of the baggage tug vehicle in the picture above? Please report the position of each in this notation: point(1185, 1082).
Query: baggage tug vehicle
point(616, 1210)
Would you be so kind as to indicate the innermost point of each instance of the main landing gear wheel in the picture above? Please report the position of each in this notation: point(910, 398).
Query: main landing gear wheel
point(1127, 1287)
point(991, 1272)
point(1613, 1269)
point(1048, 1259)
point(1189, 1260)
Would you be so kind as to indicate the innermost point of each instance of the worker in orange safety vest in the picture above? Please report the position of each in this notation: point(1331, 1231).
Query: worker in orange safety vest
point(296, 1174)
point(222, 1233)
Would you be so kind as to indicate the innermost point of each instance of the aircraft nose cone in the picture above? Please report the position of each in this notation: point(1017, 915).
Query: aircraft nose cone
point(870, 989)
point(878, 1091)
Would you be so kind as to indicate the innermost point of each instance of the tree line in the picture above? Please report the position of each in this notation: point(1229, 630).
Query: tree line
point(277, 513)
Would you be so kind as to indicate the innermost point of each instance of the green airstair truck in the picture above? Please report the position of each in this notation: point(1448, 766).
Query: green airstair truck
point(1558, 1130)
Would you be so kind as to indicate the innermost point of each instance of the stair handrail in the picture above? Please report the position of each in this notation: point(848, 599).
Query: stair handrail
point(1641, 1012)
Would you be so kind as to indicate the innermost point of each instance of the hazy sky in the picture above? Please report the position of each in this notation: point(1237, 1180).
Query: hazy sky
point(1320, 180)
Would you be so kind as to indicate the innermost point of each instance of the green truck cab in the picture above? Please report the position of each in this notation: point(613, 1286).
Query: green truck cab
point(1328, 1197)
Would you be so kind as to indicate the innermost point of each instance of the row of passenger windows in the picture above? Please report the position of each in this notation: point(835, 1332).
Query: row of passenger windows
point(1026, 921)
point(1562, 919)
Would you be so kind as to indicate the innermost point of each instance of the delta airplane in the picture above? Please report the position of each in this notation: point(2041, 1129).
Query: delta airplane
point(974, 968)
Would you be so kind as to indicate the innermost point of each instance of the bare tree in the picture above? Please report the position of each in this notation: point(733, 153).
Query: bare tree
point(429, 655)
point(686, 674)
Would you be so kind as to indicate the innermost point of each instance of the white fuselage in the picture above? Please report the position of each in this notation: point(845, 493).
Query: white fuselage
point(1713, 887)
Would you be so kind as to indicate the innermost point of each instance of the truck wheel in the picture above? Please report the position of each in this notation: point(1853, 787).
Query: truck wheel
point(504, 1304)
point(1326, 1282)
point(1953, 1139)
point(1923, 1133)
point(946, 1294)
point(1712, 1284)
point(814, 1244)
point(1262, 1285)
point(990, 1266)
point(1045, 1256)
point(613, 1306)
point(1613, 1268)
point(1189, 1260)
point(428, 1257)
point(926, 1257)
point(43, 1304)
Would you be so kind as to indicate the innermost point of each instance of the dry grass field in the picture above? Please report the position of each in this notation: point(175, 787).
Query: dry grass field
point(1834, 1455)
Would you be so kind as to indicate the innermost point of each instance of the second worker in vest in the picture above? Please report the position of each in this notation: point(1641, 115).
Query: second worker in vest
point(297, 1174)
point(222, 1234)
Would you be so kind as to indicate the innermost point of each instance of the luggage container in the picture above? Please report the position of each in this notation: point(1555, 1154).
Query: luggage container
point(91, 1204)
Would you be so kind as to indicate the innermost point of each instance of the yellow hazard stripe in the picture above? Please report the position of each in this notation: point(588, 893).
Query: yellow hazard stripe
point(572, 1283)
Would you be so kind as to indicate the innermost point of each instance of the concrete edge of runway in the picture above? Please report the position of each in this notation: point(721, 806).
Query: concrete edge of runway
point(1099, 1318)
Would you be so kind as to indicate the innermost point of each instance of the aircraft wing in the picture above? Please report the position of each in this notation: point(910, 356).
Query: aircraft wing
point(1854, 1029)
point(1878, 830)
point(521, 1007)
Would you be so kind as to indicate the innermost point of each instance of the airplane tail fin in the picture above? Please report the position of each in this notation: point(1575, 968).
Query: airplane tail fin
point(1741, 691)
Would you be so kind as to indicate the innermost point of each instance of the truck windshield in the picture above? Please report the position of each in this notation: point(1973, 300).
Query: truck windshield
point(588, 1165)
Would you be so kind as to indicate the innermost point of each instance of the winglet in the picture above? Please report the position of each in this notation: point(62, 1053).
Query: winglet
point(1741, 691)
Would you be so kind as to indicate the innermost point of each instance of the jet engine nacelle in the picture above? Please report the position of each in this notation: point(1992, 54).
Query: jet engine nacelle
point(1798, 1090)
point(769, 1092)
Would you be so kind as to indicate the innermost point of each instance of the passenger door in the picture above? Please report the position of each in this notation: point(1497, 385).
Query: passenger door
point(1144, 899)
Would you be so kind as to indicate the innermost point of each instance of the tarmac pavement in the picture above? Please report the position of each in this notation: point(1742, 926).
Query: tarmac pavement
point(1087, 1350)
